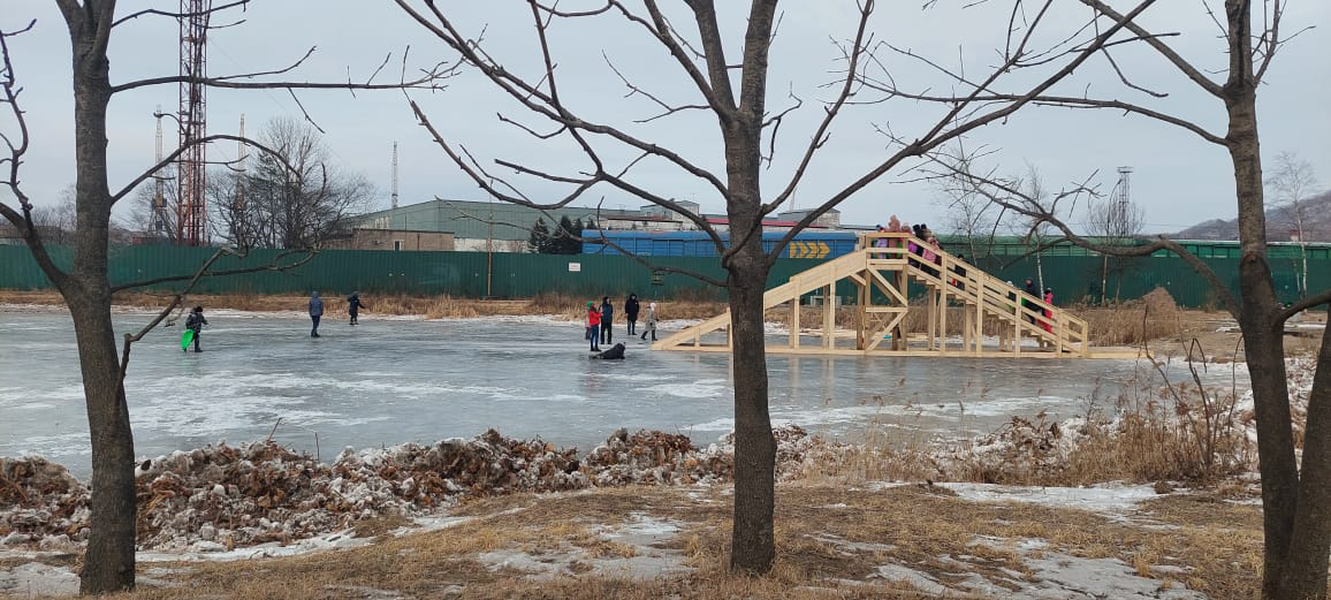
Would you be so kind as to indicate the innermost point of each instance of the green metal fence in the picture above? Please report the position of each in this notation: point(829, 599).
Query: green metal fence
point(504, 275)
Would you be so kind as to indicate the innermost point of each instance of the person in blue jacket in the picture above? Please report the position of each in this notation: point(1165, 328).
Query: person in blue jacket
point(316, 312)
point(607, 320)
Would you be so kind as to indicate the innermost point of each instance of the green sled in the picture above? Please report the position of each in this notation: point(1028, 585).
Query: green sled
point(186, 339)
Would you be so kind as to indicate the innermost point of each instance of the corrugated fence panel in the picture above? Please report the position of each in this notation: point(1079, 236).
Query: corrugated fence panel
point(1073, 278)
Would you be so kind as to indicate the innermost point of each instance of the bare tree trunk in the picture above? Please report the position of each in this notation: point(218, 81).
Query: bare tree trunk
point(1263, 338)
point(753, 545)
point(1104, 279)
point(109, 559)
point(1305, 571)
point(1303, 273)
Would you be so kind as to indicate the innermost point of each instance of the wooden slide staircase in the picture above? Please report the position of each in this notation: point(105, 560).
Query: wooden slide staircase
point(996, 318)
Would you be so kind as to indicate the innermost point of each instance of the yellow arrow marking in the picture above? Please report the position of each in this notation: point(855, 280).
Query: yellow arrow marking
point(823, 250)
point(797, 249)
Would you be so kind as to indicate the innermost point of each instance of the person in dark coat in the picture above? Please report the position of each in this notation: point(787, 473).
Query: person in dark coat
point(316, 313)
point(195, 322)
point(353, 307)
point(607, 320)
point(1033, 292)
point(615, 352)
point(631, 312)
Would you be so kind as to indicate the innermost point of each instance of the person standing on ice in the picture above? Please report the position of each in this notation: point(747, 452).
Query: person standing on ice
point(593, 326)
point(607, 320)
point(353, 307)
point(195, 322)
point(651, 322)
point(631, 312)
point(316, 312)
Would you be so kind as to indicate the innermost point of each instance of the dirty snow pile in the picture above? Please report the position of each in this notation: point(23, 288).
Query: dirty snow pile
point(654, 457)
point(1036, 447)
point(40, 501)
point(219, 497)
point(1299, 373)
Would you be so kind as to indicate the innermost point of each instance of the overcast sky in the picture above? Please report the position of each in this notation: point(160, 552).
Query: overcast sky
point(1178, 178)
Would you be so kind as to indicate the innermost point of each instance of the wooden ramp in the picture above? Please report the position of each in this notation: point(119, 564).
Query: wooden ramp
point(997, 319)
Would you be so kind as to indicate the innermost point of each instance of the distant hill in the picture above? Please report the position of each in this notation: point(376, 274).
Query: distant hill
point(1280, 224)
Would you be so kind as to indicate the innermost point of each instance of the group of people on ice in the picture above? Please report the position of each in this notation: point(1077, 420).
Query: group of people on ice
point(354, 305)
point(195, 320)
point(601, 320)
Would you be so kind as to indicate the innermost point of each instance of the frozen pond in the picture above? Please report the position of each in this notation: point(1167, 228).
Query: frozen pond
point(391, 381)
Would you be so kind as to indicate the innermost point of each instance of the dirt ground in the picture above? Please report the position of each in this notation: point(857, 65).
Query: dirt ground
point(874, 541)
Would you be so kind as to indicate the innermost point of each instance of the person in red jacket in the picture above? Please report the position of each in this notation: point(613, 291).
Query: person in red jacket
point(1049, 314)
point(594, 326)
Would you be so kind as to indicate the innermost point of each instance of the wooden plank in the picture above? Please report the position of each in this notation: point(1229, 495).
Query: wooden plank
point(829, 315)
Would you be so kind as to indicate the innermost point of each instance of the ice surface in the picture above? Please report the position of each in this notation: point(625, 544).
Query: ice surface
point(1105, 499)
point(391, 381)
point(34, 579)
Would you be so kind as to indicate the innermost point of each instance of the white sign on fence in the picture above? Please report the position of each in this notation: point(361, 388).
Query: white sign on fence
point(574, 267)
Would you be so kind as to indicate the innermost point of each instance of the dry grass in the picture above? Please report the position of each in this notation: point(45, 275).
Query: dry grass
point(830, 539)
point(1152, 317)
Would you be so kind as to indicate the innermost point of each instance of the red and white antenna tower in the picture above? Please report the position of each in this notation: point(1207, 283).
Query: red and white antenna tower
point(193, 121)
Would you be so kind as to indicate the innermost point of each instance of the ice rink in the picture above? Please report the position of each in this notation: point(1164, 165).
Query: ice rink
point(390, 381)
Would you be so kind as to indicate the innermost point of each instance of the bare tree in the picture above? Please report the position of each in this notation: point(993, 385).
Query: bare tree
point(1117, 221)
point(272, 206)
point(60, 220)
point(972, 217)
point(152, 218)
point(733, 93)
point(1295, 500)
point(109, 561)
point(1291, 185)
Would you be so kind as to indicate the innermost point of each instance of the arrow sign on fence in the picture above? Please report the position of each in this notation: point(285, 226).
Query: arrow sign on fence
point(809, 250)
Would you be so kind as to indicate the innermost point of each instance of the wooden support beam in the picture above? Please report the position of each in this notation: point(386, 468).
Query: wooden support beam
point(887, 271)
point(795, 322)
point(829, 316)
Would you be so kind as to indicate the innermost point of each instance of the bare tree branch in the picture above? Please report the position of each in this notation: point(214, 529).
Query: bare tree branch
point(848, 86)
point(203, 271)
point(1010, 196)
point(429, 79)
point(21, 218)
point(950, 127)
point(180, 15)
point(1302, 305)
point(171, 159)
point(1160, 46)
